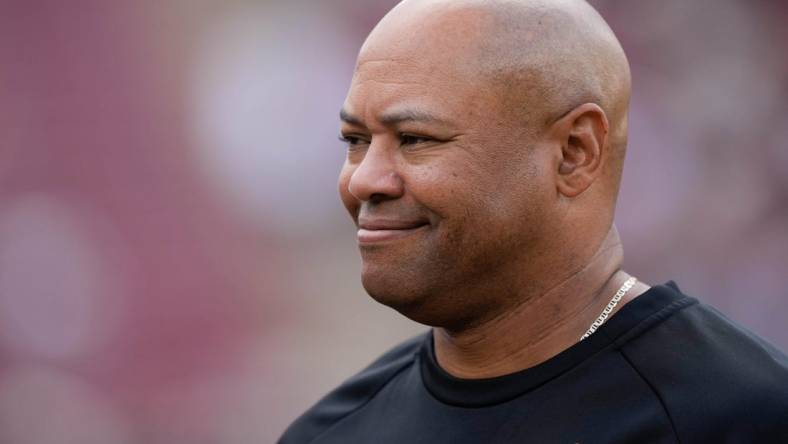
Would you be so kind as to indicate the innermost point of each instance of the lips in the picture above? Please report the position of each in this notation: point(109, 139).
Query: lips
point(383, 230)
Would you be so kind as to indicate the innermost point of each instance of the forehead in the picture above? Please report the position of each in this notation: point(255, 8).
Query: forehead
point(381, 83)
point(383, 88)
point(380, 91)
point(422, 59)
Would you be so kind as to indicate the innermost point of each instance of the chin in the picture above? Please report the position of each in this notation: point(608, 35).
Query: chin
point(390, 289)
point(410, 296)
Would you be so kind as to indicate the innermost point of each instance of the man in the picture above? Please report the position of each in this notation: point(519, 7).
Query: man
point(485, 147)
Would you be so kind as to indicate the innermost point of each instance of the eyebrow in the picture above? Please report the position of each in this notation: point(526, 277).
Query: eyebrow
point(392, 118)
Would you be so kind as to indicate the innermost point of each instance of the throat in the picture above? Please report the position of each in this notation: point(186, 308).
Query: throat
point(535, 331)
point(504, 345)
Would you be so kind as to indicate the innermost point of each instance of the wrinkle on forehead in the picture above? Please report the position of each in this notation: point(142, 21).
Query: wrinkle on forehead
point(389, 82)
point(386, 60)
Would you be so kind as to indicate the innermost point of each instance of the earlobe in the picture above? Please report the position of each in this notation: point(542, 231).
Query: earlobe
point(583, 136)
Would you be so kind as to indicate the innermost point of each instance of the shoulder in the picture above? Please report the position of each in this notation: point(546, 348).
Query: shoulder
point(716, 379)
point(354, 393)
point(746, 375)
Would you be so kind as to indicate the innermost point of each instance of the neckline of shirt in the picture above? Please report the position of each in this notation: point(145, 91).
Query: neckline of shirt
point(486, 392)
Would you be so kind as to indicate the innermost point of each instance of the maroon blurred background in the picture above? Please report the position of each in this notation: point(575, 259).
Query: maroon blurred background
point(175, 265)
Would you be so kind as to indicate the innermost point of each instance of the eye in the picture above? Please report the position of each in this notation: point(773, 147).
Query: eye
point(352, 141)
point(411, 139)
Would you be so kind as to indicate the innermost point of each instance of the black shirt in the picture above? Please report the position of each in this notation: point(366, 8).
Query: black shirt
point(663, 369)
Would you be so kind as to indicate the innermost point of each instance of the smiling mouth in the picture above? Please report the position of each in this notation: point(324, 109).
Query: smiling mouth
point(372, 233)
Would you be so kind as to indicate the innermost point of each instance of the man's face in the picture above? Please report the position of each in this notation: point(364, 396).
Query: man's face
point(444, 184)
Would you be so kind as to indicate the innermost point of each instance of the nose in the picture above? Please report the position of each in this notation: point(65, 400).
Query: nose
point(376, 178)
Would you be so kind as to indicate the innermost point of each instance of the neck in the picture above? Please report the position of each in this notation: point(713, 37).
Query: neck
point(542, 325)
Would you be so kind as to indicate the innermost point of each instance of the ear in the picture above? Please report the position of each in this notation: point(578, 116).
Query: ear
point(582, 134)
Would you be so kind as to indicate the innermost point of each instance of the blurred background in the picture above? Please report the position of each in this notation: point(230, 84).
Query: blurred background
point(175, 264)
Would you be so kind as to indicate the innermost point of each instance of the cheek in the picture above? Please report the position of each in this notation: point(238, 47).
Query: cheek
point(456, 194)
point(483, 198)
point(438, 186)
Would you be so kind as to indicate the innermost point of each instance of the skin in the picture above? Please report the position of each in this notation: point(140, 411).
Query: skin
point(485, 146)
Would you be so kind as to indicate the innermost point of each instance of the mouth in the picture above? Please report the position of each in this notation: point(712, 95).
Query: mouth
point(378, 231)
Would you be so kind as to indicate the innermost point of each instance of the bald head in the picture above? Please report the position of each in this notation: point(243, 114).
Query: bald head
point(542, 58)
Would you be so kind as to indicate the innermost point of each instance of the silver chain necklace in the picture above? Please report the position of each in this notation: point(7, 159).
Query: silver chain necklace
point(610, 306)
